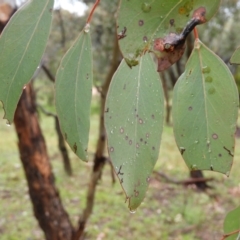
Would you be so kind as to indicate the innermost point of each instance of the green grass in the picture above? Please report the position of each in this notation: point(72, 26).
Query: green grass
point(169, 211)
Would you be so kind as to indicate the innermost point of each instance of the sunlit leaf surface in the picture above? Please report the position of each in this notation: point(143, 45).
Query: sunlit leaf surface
point(73, 94)
point(205, 108)
point(22, 45)
point(134, 121)
point(160, 26)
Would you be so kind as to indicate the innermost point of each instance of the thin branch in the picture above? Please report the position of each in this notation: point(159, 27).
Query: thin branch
point(182, 182)
point(48, 73)
point(46, 112)
point(92, 11)
point(166, 95)
point(230, 234)
point(195, 33)
point(62, 28)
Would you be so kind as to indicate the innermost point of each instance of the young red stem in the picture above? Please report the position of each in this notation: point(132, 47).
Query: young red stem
point(230, 234)
point(195, 33)
point(92, 11)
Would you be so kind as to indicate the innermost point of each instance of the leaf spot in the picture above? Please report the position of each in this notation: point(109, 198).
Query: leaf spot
point(122, 34)
point(146, 7)
point(140, 23)
point(206, 69)
point(121, 130)
point(182, 150)
point(208, 79)
point(130, 142)
point(190, 108)
point(75, 147)
point(211, 90)
point(215, 136)
point(136, 193)
point(140, 121)
point(194, 167)
point(171, 22)
point(145, 39)
point(111, 149)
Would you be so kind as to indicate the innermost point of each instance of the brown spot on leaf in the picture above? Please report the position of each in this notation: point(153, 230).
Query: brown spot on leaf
point(215, 136)
point(111, 149)
point(145, 39)
point(140, 23)
point(171, 22)
point(122, 34)
point(75, 147)
point(182, 150)
point(121, 130)
point(190, 108)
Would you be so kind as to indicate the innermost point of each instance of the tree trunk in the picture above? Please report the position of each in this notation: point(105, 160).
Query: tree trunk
point(47, 205)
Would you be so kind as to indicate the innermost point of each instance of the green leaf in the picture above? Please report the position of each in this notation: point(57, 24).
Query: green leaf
point(141, 23)
point(134, 122)
point(205, 109)
point(73, 94)
point(232, 223)
point(235, 59)
point(22, 45)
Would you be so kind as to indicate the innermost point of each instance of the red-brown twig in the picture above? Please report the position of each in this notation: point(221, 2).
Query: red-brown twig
point(92, 11)
point(195, 33)
point(230, 234)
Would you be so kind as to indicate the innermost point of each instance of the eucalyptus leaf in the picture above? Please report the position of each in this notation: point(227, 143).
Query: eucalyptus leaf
point(22, 44)
point(73, 94)
point(232, 224)
point(235, 59)
point(205, 109)
point(142, 23)
point(134, 121)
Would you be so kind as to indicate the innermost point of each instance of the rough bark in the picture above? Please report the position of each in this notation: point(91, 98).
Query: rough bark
point(45, 198)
